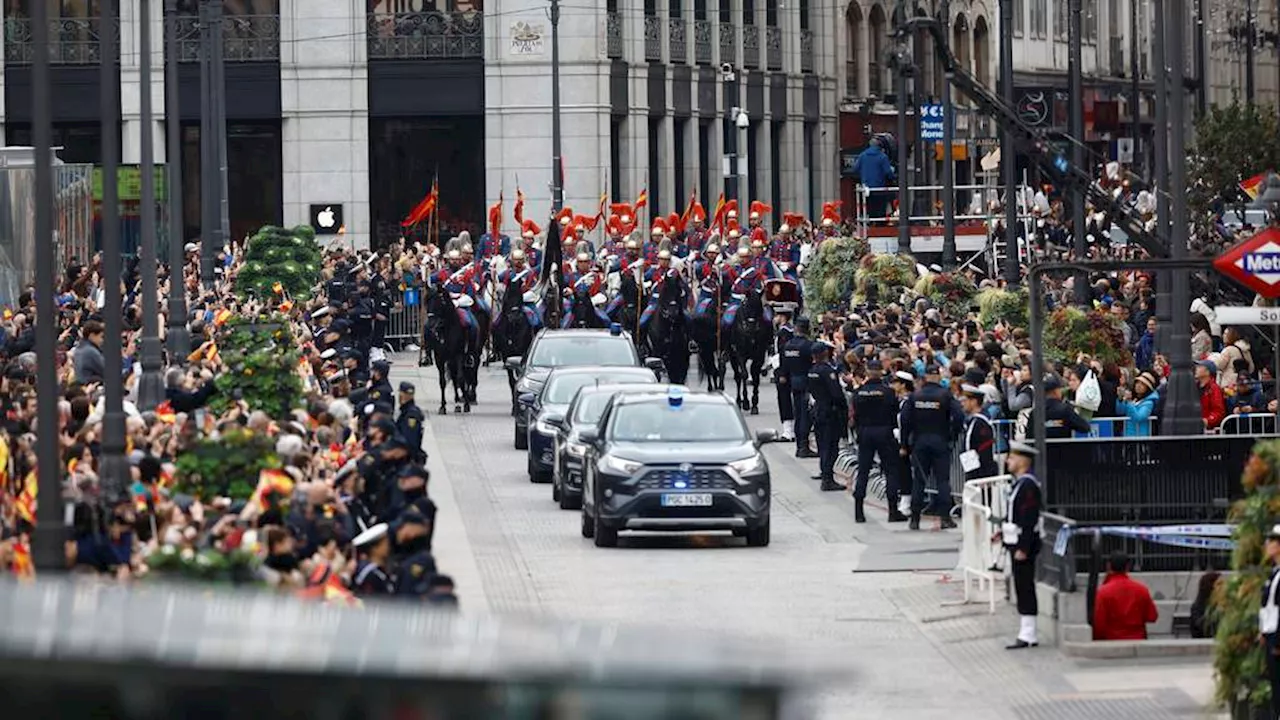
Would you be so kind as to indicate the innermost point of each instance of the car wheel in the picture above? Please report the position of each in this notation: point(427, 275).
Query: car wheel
point(569, 501)
point(758, 536)
point(522, 439)
point(606, 537)
point(588, 526)
point(555, 489)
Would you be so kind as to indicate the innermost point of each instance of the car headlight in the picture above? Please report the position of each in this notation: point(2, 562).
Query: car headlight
point(753, 465)
point(544, 427)
point(618, 466)
point(575, 449)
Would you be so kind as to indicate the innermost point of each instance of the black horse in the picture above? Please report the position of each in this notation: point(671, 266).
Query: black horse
point(584, 312)
point(750, 342)
point(513, 334)
point(667, 333)
point(712, 341)
point(446, 339)
point(628, 313)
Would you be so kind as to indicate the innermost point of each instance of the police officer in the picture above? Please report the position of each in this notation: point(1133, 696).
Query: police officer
point(380, 391)
point(373, 546)
point(1021, 535)
point(381, 298)
point(930, 419)
point(797, 360)
point(978, 439)
point(412, 532)
point(409, 423)
point(875, 416)
point(830, 412)
point(786, 409)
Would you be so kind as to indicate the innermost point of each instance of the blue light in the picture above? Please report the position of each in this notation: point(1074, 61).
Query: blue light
point(680, 484)
point(615, 329)
point(675, 398)
point(1060, 163)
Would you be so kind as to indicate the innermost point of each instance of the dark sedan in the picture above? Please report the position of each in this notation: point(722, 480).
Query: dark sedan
point(546, 409)
point(553, 349)
point(583, 414)
point(674, 461)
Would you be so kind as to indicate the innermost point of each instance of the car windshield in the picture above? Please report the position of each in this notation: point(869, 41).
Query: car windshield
point(564, 351)
point(561, 389)
point(591, 407)
point(658, 421)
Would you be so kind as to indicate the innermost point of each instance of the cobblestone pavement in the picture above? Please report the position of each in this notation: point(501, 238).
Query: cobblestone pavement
point(867, 599)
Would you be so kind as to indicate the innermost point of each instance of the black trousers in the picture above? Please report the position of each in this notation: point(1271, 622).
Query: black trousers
point(786, 404)
point(1024, 584)
point(829, 430)
point(804, 423)
point(872, 443)
point(933, 457)
point(1273, 674)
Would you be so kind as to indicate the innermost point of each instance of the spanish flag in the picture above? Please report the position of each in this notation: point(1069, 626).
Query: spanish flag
point(272, 481)
point(165, 413)
point(642, 200)
point(425, 207)
point(26, 502)
point(277, 288)
point(223, 316)
point(688, 210)
point(22, 566)
point(717, 217)
point(1254, 185)
point(286, 307)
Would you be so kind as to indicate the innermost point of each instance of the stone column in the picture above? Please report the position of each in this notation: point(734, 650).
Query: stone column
point(324, 98)
point(130, 88)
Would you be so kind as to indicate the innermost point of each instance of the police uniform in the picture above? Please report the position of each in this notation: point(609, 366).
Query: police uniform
point(380, 391)
point(786, 408)
point(1021, 532)
point(797, 360)
point(875, 416)
point(409, 424)
point(830, 414)
point(371, 578)
point(930, 419)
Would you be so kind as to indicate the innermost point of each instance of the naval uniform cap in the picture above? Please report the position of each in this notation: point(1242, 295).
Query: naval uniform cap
point(321, 313)
point(371, 536)
point(904, 376)
point(972, 391)
point(329, 354)
point(1275, 532)
point(1020, 448)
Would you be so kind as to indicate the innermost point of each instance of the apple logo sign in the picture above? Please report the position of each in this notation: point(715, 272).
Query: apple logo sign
point(326, 218)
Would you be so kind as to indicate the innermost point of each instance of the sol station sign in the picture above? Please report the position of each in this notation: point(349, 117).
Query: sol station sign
point(1254, 263)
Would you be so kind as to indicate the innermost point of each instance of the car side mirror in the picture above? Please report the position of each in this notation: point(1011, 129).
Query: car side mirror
point(655, 364)
point(763, 437)
point(588, 437)
point(514, 363)
point(526, 399)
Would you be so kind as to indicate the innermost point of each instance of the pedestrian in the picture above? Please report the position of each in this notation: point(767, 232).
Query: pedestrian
point(786, 408)
point(978, 439)
point(798, 359)
point(1020, 534)
point(931, 420)
point(830, 412)
point(875, 416)
point(372, 576)
point(1122, 607)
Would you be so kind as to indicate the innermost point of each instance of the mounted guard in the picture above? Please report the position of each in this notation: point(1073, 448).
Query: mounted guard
point(584, 281)
point(493, 242)
point(696, 236)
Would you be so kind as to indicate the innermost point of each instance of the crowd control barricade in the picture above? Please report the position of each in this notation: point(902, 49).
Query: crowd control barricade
point(1248, 424)
point(1147, 481)
point(985, 502)
point(404, 326)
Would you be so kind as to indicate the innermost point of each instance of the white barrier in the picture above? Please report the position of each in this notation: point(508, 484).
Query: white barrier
point(985, 502)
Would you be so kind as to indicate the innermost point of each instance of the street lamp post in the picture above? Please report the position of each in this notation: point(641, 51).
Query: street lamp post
point(1136, 99)
point(902, 66)
point(557, 161)
point(179, 339)
point(219, 72)
point(208, 153)
point(113, 468)
point(948, 159)
point(1008, 152)
point(730, 77)
point(150, 384)
point(50, 532)
point(1075, 80)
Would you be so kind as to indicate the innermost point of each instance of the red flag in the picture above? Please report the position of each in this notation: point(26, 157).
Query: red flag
point(717, 218)
point(642, 200)
point(688, 209)
point(518, 211)
point(423, 209)
point(1253, 186)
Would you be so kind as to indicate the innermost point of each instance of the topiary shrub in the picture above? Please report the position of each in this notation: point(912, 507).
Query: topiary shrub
point(1239, 663)
point(1070, 331)
point(829, 276)
point(288, 256)
point(225, 467)
point(885, 277)
point(950, 292)
point(1011, 306)
point(261, 360)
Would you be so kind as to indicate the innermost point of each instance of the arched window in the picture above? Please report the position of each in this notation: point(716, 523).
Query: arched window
point(853, 32)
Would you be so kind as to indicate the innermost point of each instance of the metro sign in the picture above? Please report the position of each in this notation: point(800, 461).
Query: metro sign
point(1254, 263)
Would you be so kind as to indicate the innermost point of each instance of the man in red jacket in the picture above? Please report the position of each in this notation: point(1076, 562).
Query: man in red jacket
point(1213, 405)
point(1123, 606)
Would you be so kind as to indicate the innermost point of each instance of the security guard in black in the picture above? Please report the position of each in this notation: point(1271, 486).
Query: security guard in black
point(830, 412)
point(931, 418)
point(797, 362)
point(875, 416)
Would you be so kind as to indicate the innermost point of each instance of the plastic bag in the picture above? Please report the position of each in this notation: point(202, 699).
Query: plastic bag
point(1089, 396)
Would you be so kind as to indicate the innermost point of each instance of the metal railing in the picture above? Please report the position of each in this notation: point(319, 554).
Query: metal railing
point(751, 46)
point(245, 38)
point(702, 42)
point(613, 35)
point(1248, 424)
point(773, 46)
point(678, 40)
point(806, 51)
point(652, 38)
point(405, 323)
point(851, 79)
point(72, 41)
point(728, 42)
point(430, 35)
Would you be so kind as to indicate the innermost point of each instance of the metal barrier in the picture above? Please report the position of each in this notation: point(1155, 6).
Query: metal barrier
point(1147, 481)
point(1248, 424)
point(1058, 571)
point(406, 321)
point(985, 501)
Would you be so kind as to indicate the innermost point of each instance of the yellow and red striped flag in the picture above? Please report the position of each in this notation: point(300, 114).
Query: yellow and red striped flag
point(642, 200)
point(425, 207)
point(1254, 185)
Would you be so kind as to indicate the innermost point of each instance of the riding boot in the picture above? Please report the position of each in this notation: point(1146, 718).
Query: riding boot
point(858, 515)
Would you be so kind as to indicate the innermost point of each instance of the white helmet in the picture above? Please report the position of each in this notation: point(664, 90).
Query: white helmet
point(517, 254)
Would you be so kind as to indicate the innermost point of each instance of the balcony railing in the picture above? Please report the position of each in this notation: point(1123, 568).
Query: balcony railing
point(652, 38)
point(613, 28)
point(806, 51)
point(877, 79)
point(678, 41)
point(728, 43)
point(851, 79)
point(429, 35)
point(773, 46)
point(72, 41)
point(751, 46)
point(245, 38)
point(702, 42)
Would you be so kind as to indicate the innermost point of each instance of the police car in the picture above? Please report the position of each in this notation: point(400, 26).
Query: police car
point(674, 461)
point(566, 348)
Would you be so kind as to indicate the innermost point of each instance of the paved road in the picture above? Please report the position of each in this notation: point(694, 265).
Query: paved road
point(867, 598)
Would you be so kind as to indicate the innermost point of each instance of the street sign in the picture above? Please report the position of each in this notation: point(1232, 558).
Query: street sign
point(1254, 263)
point(1248, 315)
point(931, 122)
point(1124, 150)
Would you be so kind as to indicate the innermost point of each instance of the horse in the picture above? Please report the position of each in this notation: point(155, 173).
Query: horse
point(584, 311)
point(513, 336)
point(628, 313)
point(471, 360)
point(446, 339)
point(711, 341)
point(749, 343)
point(667, 334)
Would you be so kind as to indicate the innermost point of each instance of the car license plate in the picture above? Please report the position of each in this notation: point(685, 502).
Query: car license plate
point(686, 500)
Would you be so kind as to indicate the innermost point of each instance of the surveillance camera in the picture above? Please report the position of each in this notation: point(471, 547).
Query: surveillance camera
point(726, 70)
point(742, 121)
